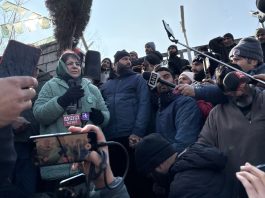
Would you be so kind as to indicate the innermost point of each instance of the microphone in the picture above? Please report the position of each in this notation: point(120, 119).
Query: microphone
point(153, 78)
point(72, 109)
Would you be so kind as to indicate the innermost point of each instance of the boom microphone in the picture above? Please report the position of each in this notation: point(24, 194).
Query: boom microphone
point(154, 77)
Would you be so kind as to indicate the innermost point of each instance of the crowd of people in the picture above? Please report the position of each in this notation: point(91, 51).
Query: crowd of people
point(203, 138)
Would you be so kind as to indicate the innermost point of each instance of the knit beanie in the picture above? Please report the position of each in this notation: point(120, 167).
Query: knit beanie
point(172, 46)
point(153, 59)
point(151, 151)
point(228, 35)
point(260, 31)
point(233, 80)
point(190, 75)
point(198, 58)
point(248, 48)
point(151, 45)
point(120, 54)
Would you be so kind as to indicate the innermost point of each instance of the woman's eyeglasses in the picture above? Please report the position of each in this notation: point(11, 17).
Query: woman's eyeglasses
point(78, 64)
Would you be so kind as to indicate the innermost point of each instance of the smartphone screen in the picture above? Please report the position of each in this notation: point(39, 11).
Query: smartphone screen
point(61, 148)
point(19, 59)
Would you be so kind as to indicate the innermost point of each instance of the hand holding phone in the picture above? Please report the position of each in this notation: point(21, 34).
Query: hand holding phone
point(94, 157)
point(253, 179)
point(62, 148)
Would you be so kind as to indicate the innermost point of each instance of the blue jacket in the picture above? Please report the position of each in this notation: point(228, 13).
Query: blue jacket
point(179, 121)
point(128, 101)
point(212, 93)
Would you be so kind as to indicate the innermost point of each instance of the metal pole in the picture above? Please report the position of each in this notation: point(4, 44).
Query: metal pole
point(225, 64)
point(184, 31)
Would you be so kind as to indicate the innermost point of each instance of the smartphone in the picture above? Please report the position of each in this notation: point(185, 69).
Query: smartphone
point(19, 59)
point(62, 148)
point(74, 181)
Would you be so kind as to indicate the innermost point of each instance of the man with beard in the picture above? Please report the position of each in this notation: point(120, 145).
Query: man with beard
point(150, 47)
point(175, 63)
point(178, 118)
point(260, 36)
point(237, 127)
point(106, 66)
point(198, 69)
point(127, 97)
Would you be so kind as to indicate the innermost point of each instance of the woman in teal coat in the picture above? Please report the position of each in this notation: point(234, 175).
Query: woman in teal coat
point(64, 97)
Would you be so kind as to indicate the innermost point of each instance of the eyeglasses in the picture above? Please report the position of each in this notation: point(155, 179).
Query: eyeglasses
point(78, 64)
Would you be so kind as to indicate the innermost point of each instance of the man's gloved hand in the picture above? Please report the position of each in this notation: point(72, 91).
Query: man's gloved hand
point(71, 95)
point(96, 116)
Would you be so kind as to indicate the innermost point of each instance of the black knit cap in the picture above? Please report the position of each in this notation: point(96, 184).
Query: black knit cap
point(120, 54)
point(228, 35)
point(154, 58)
point(234, 79)
point(172, 46)
point(151, 152)
point(260, 31)
point(198, 58)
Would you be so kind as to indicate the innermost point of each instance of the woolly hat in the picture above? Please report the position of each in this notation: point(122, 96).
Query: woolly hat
point(248, 48)
point(120, 54)
point(233, 80)
point(228, 35)
point(198, 58)
point(172, 46)
point(260, 31)
point(190, 75)
point(154, 58)
point(151, 45)
point(151, 152)
point(134, 53)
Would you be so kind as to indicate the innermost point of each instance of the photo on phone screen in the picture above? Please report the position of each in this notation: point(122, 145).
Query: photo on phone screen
point(61, 148)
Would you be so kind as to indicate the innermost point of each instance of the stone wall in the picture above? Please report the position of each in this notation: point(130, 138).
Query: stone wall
point(49, 57)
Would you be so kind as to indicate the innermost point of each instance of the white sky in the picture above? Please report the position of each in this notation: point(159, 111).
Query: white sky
point(129, 24)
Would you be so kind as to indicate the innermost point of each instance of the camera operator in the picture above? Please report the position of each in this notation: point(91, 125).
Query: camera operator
point(118, 187)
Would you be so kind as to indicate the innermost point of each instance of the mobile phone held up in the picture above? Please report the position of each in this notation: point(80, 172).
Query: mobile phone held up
point(19, 59)
point(62, 148)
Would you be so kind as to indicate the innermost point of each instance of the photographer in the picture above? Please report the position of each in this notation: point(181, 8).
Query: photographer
point(101, 191)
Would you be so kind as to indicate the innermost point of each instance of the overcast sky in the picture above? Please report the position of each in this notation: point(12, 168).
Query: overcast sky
point(127, 24)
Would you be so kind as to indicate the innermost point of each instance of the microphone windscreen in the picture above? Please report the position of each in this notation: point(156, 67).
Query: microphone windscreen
point(146, 75)
point(92, 65)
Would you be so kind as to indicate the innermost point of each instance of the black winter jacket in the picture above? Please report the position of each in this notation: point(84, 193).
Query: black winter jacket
point(198, 173)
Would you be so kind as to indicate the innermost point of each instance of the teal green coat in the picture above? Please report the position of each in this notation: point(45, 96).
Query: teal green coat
point(49, 114)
